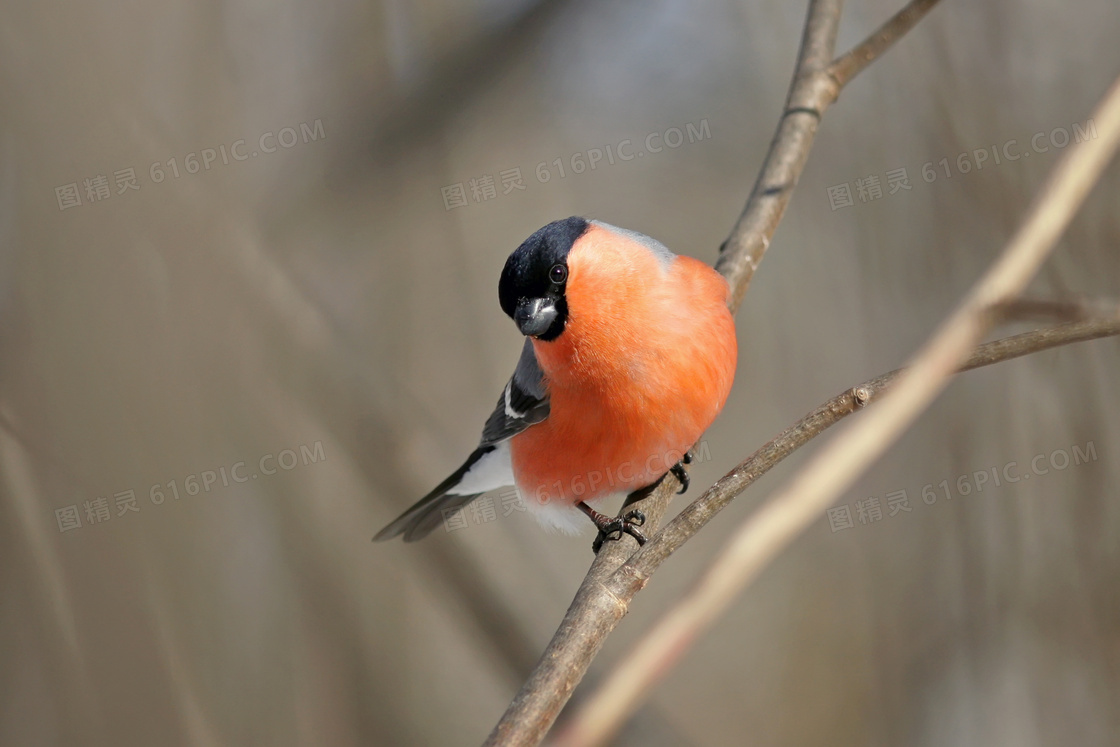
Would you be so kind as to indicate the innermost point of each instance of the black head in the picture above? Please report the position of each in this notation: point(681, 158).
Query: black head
point(531, 290)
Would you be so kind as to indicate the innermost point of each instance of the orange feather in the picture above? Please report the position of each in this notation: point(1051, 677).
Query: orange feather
point(644, 365)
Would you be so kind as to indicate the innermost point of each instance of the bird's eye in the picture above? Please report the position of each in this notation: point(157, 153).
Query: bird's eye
point(558, 274)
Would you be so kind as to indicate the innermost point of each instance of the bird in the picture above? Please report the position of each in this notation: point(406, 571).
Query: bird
point(629, 355)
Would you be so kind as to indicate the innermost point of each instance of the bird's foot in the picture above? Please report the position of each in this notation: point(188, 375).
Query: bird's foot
point(612, 528)
point(680, 473)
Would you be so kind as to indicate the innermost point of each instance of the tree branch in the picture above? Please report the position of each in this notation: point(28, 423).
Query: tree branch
point(768, 531)
point(817, 82)
point(594, 612)
point(848, 66)
point(811, 92)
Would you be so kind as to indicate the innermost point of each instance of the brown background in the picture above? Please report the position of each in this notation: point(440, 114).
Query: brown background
point(323, 294)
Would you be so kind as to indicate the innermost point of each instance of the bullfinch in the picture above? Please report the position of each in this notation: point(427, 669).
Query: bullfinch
point(629, 355)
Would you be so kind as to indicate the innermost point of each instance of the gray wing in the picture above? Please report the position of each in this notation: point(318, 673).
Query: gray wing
point(524, 401)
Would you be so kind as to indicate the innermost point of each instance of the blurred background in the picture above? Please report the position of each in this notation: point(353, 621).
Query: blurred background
point(249, 255)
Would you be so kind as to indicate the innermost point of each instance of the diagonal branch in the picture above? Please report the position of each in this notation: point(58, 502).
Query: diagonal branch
point(594, 612)
point(836, 466)
point(848, 66)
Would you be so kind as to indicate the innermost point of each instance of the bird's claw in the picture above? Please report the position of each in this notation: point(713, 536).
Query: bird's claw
point(679, 472)
point(614, 528)
point(636, 519)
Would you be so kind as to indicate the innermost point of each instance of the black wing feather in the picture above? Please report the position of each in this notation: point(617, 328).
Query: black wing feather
point(426, 514)
point(524, 401)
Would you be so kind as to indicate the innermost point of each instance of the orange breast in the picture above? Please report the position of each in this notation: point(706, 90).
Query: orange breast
point(644, 365)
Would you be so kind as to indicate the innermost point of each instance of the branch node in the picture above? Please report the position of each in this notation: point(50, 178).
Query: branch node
point(632, 580)
point(861, 395)
point(623, 605)
point(814, 93)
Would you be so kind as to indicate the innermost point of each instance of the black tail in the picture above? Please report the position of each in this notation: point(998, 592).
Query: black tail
point(428, 512)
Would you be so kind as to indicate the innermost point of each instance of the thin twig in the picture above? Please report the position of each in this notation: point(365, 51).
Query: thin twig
point(839, 463)
point(593, 612)
point(848, 66)
point(810, 94)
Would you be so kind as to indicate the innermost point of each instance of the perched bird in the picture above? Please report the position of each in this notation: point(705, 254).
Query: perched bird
point(629, 356)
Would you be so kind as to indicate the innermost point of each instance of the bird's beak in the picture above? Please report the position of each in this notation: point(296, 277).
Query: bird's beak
point(534, 316)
